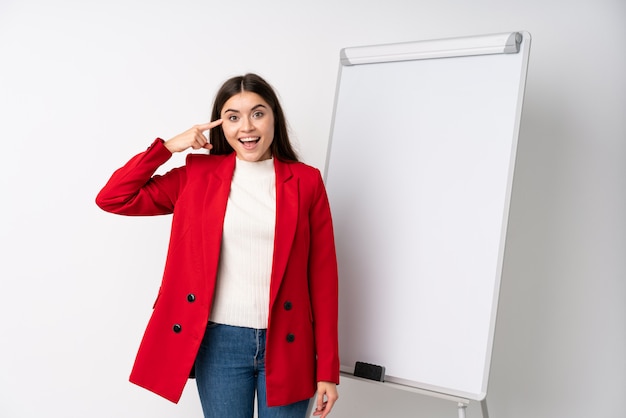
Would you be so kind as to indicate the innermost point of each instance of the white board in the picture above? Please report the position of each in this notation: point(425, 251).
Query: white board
point(419, 176)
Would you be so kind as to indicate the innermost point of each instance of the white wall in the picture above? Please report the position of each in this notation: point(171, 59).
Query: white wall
point(84, 85)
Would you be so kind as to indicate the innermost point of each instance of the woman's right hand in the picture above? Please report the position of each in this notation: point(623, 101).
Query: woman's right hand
point(193, 137)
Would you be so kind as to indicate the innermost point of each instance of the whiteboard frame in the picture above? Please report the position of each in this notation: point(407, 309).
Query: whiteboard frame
point(503, 43)
point(499, 43)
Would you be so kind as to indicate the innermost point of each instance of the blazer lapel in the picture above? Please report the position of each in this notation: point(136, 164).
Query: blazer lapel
point(214, 209)
point(286, 221)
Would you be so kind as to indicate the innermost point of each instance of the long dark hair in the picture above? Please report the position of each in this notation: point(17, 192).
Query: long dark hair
point(281, 145)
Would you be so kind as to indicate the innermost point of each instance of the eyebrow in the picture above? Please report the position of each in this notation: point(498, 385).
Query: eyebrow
point(253, 108)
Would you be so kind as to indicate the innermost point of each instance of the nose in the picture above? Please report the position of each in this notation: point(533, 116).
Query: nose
point(247, 124)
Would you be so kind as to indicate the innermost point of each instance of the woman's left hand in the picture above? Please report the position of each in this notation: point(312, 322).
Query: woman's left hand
point(326, 397)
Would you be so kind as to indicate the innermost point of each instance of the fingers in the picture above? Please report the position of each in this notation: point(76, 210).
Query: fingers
point(323, 410)
point(193, 138)
point(321, 405)
point(326, 397)
point(205, 128)
point(198, 140)
point(327, 407)
point(211, 125)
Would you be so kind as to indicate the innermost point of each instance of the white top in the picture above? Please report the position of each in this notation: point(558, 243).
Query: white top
point(243, 277)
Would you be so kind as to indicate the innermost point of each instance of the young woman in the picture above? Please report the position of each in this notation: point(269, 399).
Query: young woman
point(248, 299)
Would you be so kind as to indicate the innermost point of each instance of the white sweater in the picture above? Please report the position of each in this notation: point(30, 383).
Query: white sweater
point(243, 278)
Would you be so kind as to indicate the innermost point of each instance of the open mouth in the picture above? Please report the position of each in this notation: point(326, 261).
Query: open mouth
point(249, 143)
point(253, 139)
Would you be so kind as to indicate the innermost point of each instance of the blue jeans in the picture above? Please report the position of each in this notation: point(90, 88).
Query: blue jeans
point(230, 368)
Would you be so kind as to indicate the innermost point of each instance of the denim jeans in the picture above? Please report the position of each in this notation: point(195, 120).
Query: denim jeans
point(230, 368)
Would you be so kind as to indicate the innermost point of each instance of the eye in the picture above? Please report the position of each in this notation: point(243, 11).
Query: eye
point(233, 118)
point(258, 114)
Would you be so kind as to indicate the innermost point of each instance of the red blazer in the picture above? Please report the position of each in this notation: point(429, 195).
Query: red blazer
point(304, 271)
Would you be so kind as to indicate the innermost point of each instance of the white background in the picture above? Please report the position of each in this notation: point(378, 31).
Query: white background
point(85, 85)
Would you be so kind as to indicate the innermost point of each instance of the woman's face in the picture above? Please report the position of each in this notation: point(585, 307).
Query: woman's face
point(248, 124)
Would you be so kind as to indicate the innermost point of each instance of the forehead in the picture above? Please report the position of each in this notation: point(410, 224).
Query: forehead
point(244, 101)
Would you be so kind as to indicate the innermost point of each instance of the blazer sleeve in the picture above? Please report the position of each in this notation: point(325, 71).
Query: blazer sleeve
point(323, 285)
point(134, 190)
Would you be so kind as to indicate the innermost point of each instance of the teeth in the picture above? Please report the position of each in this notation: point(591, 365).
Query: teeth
point(256, 138)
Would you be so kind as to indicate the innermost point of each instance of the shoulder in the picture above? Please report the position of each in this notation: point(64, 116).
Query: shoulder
point(308, 177)
point(302, 170)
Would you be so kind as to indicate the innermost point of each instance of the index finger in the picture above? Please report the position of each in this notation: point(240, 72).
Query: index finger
point(209, 125)
point(206, 127)
point(328, 407)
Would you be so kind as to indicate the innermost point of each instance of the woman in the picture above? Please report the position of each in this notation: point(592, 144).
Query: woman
point(248, 299)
